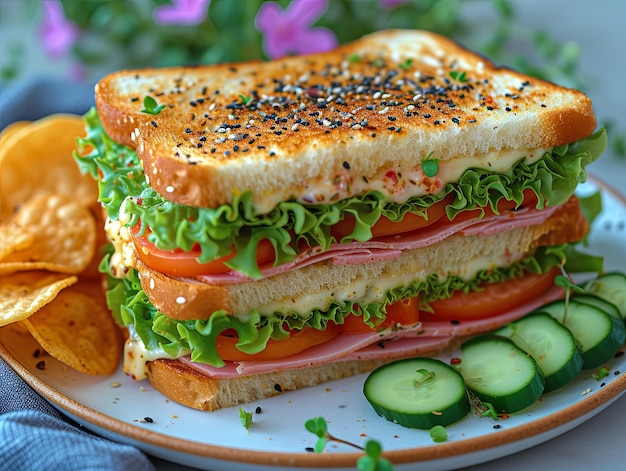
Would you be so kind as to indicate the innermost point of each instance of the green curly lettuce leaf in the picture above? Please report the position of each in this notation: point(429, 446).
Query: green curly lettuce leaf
point(238, 228)
point(197, 338)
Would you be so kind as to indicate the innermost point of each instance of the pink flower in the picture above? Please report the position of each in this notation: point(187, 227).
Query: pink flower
point(290, 31)
point(57, 32)
point(182, 12)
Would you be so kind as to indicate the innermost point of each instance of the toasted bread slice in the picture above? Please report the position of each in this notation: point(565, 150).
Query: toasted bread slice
point(299, 290)
point(286, 129)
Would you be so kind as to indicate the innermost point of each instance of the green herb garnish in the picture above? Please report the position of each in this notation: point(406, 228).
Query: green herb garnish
point(600, 374)
point(373, 459)
point(406, 64)
point(150, 106)
point(430, 166)
point(354, 58)
point(245, 417)
point(458, 76)
point(439, 434)
point(245, 99)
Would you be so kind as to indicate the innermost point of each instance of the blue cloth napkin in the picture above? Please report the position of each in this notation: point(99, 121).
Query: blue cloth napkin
point(33, 434)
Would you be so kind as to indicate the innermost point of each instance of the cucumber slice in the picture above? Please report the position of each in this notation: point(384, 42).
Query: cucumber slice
point(551, 344)
point(612, 287)
point(597, 301)
point(417, 393)
point(599, 334)
point(501, 373)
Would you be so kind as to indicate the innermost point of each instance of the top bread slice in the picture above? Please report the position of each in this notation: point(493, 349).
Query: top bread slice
point(384, 102)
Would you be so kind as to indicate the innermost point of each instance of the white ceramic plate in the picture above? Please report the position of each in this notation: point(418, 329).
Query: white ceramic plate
point(117, 407)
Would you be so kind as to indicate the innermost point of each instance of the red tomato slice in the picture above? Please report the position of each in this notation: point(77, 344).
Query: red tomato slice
point(403, 312)
point(530, 199)
point(494, 299)
point(298, 341)
point(180, 263)
point(384, 226)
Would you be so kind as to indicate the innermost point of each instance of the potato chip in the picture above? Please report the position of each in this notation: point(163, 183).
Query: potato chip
point(14, 238)
point(23, 294)
point(37, 159)
point(78, 330)
point(12, 129)
point(64, 232)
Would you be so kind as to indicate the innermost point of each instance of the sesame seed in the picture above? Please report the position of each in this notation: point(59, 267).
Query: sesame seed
point(169, 189)
point(181, 300)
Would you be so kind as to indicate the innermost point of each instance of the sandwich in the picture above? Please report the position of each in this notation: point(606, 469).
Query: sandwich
point(282, 224)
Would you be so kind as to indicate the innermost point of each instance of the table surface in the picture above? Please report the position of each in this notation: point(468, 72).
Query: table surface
point(598, 29)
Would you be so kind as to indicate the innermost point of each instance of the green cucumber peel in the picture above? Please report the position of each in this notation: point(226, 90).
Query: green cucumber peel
point(218, 230)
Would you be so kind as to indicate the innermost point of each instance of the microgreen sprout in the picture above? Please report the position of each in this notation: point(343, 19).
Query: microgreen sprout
point(439, 434)
point(564, 281)
point(245, 417)
point(404, 65)
point(245, 99)
point(458, 76)
point(601, 373)
point(354, 58)
point(425, 375)
point(373, 459)
point(430, 166)
point(150, 106)
point(490, 411)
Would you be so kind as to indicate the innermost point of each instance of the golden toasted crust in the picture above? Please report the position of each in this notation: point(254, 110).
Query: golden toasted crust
point(191, 388)
point(188, 299)
point(279, 128)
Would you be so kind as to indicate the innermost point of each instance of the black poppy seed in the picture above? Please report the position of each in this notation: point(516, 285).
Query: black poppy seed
point(490, 108)
point(36, 353)
point(154, 124)
point(392, 128)
point(192, 103)
point(309, 449)
point(227, 153)
point(373, 134)
point(436, 122)
point(496, 426)
point(203, 138)
point(616, 373)
point(41, 365)
point(471, 120)
point(455, 322)
point(391, 118)
point(188, 130)
point(148, 419)
point(508, 108)
point(602, 385)
point(213, 150)
point(455, 120)
point(236, 148)
point(258, 410)
point(346, 165)
point(272, 153)
point(278, 387)
point(199, 145)
point(426, 115)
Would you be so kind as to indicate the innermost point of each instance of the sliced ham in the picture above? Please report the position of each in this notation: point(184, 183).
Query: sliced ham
point(423, 338)
point(386, 248)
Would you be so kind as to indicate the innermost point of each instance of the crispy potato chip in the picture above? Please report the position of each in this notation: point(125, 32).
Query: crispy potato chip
point(78, 330)
point(12, 129)
point(14, 238)
point(64, 232)
point(23, 294)
point(37, 159)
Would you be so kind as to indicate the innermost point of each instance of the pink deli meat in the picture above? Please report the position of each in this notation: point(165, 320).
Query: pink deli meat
point(386, 248)
point(423, 338)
